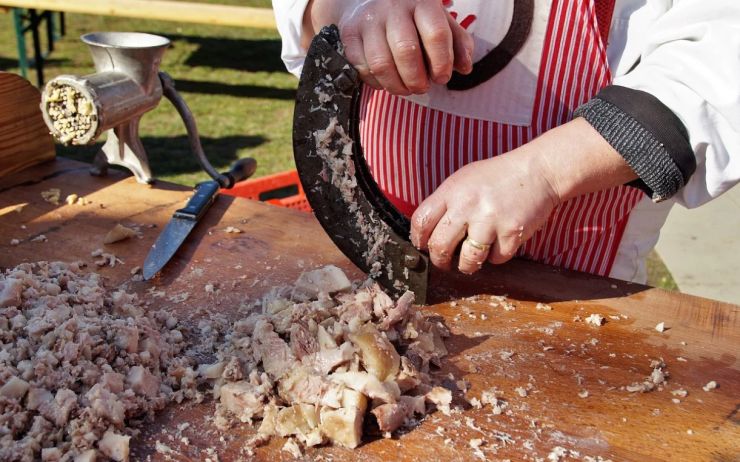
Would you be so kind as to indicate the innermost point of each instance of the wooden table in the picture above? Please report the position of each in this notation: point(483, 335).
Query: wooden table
point(546, 352)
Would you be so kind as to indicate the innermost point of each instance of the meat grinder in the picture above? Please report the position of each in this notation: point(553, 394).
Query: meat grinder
point(127, 84)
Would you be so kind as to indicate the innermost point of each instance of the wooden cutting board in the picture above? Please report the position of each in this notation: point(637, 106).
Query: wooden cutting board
point(555, 359)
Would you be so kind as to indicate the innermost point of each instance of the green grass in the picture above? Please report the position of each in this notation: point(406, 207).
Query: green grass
point(232, 79)
point(658, 274)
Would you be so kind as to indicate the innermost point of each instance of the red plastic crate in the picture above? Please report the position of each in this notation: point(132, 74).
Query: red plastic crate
point(260, 189)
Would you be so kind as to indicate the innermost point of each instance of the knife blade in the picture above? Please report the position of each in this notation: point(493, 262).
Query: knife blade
point(185, 219)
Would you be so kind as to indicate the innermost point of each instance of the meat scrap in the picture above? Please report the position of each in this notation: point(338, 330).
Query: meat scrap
point(334, 356)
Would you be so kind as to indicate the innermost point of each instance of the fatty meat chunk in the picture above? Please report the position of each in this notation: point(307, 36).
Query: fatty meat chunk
point(379, 356)
point(90, 455)
point(14, 388)
point(441, 397)
point(368, 385)
point(10, 292)
point(391, 416)
point(115, 446)
point(37, 397)
point(342, 426)
point(327, 280)
point(302, 385)
point(143, 382)
point(243, 399)
point(302, 342)
point(276, 356)
point(399, 312)
point(106, 405)
point(325, 361)
point(57, 411)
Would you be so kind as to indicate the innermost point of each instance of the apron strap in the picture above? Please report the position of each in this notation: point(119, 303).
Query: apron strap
point(604, 10)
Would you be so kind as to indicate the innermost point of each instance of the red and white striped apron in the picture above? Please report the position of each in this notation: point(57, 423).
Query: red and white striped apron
point(411, 149)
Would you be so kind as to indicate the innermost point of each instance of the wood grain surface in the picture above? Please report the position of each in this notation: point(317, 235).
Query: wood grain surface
point(546, 353)
point(24, 137)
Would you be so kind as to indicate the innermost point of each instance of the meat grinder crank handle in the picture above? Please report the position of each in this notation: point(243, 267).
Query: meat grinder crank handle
point(241, 170)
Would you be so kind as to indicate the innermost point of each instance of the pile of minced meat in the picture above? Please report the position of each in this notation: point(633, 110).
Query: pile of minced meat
point(82, 366)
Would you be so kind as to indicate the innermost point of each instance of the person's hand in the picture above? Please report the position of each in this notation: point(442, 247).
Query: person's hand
point(495, 205)
point(398, 45)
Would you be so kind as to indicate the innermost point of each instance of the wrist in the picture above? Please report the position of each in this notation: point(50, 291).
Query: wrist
point(575, 160)
point(320, 13)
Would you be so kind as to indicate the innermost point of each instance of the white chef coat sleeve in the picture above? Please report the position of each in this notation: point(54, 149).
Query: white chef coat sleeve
point(289, 18)
point(689, 59)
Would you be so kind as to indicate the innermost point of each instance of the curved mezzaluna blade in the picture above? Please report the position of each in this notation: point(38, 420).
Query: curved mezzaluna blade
point(338, 185)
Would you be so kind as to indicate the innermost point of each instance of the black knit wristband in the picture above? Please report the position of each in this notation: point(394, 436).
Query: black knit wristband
point(647, 134)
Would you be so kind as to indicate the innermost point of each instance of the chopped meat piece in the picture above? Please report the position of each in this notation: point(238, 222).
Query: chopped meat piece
point(118, 233)
point(303, 385)
point(357, 306)
point(52, 195)
point(710, 386)
point(417, 404)
point(369, 385)
point(409, 377)
point(660, 327)
point(37, 397)
point(292, 448)
point(114, 445)
point(143, 382)
point(325, 361)
point(276, 356)
point(595, 320)
point(51, 454)
point(243, 399)
point(379, 356)
point(352, 399)
point(391, 416)
point(399, 312)
point(14, 388)
point(58, 411)
point(269, 420)
point(212, 371)
point(302, 343)
point(326, 340)
point(10, 292)
point(382, 302)
point(342, 426)
point(301, 421)
point(328, 279)
point(91, 455)
point(441, 397)
point(106, 405)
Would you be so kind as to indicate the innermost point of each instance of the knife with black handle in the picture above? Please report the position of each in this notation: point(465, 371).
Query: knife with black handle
point(184, 220)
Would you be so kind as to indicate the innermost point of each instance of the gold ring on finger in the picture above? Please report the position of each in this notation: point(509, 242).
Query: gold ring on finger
point(477, 245)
